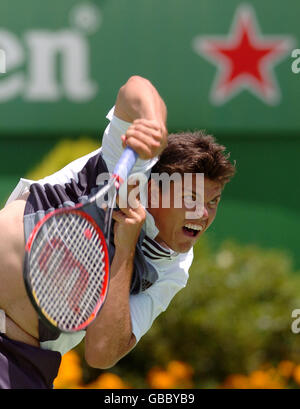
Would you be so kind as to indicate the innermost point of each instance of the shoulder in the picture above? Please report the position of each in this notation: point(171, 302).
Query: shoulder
point(173, 271)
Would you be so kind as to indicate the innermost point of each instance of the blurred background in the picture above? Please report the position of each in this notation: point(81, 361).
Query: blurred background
point(226, 67)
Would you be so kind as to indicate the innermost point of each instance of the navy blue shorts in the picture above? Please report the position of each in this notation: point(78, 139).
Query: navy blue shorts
point(24, 366)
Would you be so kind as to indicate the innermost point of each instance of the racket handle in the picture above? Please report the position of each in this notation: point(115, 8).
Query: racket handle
point(125, 164)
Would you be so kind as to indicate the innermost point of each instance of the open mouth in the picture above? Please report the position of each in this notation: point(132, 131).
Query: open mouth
point(192, 230)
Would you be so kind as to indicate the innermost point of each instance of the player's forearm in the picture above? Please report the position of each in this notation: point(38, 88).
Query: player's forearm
point(109, 337)
point(138, 98)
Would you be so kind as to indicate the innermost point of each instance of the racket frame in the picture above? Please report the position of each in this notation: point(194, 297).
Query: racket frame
point(78, 209)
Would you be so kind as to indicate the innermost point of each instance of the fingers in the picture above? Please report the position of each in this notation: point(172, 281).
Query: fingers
point(132, 209)
point(127, 228)
point(149, 128)
point(128, 216)
point(118, 216)
point(146, 137)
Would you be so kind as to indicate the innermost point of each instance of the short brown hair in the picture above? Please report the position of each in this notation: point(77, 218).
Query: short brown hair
point(195, 152)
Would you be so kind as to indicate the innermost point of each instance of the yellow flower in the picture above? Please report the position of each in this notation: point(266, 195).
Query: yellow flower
point(70, 374)
point(259, 379)
point(296, 374)
point(285, 368)
point(160, 379)
point(108, 381)
point(265, 380)
point(236, 381)
point(180, 370)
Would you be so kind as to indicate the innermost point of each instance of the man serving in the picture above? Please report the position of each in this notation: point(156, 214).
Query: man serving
point(153, 246)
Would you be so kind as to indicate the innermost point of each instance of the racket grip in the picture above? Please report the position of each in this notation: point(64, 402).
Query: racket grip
point(125, 164)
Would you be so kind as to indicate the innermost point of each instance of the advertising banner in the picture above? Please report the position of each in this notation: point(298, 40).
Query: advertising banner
point(230, 66)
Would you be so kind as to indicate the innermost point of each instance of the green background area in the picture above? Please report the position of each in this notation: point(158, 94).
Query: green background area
point(154, 39)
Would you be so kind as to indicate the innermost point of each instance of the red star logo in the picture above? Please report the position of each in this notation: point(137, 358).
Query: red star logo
point(245, 59)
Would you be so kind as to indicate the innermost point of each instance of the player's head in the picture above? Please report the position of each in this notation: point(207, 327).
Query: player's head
point(188, 153)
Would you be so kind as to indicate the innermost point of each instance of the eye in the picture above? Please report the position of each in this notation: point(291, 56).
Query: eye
point(214, 203)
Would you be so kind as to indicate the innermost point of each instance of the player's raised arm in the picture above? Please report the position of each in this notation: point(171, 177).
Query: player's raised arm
point(139, 103)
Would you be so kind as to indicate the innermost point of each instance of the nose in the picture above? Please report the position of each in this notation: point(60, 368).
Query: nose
point(200, 213)
point(205, 213)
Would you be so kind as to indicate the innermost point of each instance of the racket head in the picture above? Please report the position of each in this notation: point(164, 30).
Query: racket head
point(66, 270)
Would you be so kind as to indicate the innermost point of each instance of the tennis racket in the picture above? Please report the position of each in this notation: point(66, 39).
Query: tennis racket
point(66, 271)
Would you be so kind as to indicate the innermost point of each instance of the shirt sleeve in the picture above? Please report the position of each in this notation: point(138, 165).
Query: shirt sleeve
point(145, 307)
point(112, 145)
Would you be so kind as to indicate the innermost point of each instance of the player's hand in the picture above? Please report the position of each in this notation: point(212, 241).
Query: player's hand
point(148, 138)
point(129, 222)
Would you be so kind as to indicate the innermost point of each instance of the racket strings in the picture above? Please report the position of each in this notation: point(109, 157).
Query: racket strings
point(90, 293)
point(45, 281)
point(50, 231)
point(71, 247)
point(75, 279)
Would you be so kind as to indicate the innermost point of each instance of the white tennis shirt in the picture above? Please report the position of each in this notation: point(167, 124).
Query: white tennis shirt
point(172, 268)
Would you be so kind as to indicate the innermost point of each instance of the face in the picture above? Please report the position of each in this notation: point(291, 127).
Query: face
point(177, 228)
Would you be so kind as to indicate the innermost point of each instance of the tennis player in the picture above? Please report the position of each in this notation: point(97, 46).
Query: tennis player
point(153, 246)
